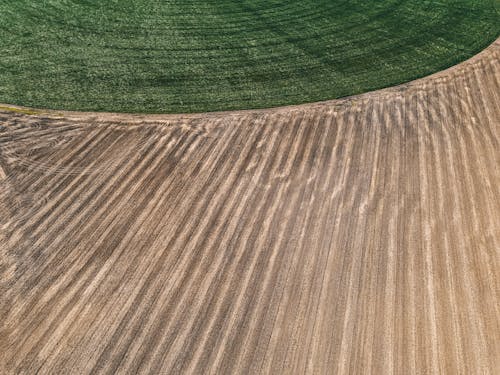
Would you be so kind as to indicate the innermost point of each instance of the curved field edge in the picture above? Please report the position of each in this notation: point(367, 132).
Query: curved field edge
point(131, 116)
point(358, 236)
point(399, 41)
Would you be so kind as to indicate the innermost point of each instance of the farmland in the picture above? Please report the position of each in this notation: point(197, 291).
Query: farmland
point(195, 56)
point(353, 236)
point(250, 187)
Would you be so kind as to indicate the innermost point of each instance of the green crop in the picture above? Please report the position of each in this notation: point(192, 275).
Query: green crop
point(194, 56)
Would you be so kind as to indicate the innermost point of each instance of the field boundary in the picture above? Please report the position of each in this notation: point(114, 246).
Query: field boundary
point(492, 49)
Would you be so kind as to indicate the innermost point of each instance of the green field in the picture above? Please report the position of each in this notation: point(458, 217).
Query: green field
point(193, 56)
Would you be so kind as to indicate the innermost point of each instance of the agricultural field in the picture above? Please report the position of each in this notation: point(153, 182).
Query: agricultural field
point(350, 232)
point(194, 56)
point(353, 236)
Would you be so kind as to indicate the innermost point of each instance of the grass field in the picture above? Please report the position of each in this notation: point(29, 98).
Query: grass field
point(193, 56)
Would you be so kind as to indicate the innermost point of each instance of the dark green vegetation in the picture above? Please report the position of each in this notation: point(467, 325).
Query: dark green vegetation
point(192, 55)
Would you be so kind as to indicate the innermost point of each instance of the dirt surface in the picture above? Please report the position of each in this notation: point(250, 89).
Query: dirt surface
point(351, 236)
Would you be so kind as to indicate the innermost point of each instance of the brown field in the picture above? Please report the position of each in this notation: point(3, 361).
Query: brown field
point(348, 237)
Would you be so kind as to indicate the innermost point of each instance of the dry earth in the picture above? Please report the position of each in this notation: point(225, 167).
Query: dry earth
point(352, 236)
